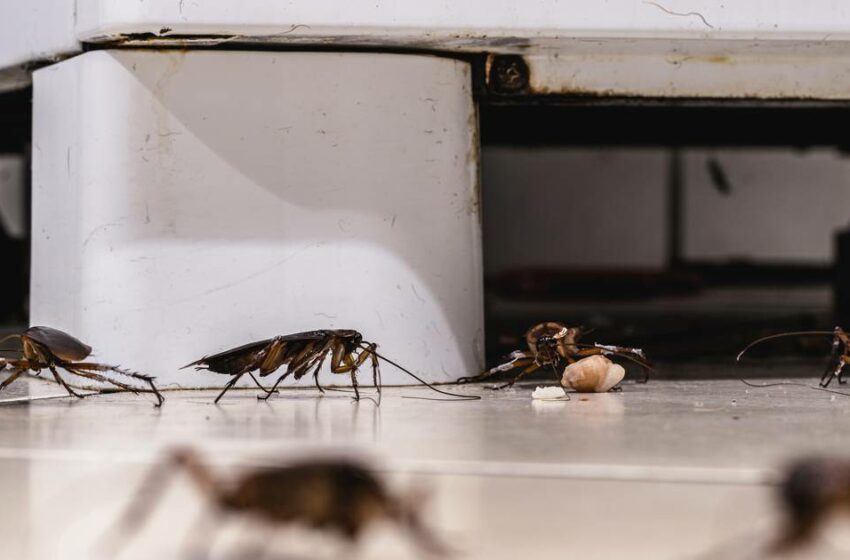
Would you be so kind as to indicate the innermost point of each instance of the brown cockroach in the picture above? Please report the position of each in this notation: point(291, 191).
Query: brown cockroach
point(812, 488)
point(45, 347)
point(554, 345)
point(325, 494)
point(838, 359)
point(301, 352)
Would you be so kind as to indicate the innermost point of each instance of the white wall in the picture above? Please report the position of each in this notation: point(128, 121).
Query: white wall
point(606, 207)
point(785, 205)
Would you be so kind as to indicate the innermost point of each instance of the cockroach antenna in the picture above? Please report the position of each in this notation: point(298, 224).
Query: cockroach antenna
point(9, 336)
point(781, 335)
point(457, 397)
point(632, 358)
point(838, 359)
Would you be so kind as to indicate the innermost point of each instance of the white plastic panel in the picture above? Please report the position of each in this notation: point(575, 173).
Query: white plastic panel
point(188, 202)
point(698, 68)
point(684, 48)
point(31, 31)
point(469, 21)
point(783, 206)
point(687, 44)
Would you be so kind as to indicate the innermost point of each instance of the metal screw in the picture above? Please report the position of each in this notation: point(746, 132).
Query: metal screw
point(508, 74)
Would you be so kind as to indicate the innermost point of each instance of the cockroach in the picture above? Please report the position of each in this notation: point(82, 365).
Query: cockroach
point(811, 489)
point(301, 352)
point(339, 496)
point(555, 345)
point(46, 347)
point(838, 359)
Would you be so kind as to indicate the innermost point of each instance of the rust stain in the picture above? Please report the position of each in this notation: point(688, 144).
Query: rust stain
point(474, 160)
point(461, 43)
point(574, 91)
point(568, 92)
point(718, 59)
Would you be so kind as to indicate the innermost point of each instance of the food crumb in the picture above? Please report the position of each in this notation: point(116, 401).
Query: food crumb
point(548, 393)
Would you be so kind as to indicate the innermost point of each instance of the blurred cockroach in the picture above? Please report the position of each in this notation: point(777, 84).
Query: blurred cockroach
point(301, 352)
point(332, 495)
point(812, 488)
point(838, 359)
point(45, 347)
point(554, 345)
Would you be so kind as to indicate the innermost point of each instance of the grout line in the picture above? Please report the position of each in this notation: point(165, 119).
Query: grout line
point(608, 472)
point(39, 398)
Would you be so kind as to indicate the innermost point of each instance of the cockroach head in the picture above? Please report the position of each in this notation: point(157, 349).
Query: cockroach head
point(569, 333)
point(352, 339)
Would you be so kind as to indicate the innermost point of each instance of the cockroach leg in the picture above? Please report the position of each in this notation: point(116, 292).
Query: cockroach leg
point(14, 375)
point(274, 387)
point(530, 369)
point(266, 391)
point(299, 371)
point(227, 387)
point(833, 363)
point(838, 359)
point(122, 386)
point(304, 366)
point(518, 359)
point(63, 383)
point(103, 379)
point(318, 368)
point(88, 366)
point(354, 384)
point(376, 367)
point(316, 380)
point(832, 371)
point(350, 365)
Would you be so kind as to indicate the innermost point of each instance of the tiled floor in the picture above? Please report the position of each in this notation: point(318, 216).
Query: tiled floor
point(670, 469)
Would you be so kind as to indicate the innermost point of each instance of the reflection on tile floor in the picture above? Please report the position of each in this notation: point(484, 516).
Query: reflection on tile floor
point(664, 470)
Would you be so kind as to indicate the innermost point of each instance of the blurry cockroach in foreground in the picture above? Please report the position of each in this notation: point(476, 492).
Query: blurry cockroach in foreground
point(44, 347)
point(811, 490)
point(331, 495)
point(840, 351)
point(301, 352)
point(555, 345)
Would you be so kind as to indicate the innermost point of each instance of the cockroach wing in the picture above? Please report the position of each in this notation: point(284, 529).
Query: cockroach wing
point(308, 335)
point(236, 360)
point(60, 344)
